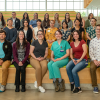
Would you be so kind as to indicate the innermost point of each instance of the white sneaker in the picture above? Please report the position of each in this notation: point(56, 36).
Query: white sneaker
point(41, 89)
point(35, 84)
point(2, 88)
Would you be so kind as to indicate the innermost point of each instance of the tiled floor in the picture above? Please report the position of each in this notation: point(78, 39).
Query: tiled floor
point(49, 95)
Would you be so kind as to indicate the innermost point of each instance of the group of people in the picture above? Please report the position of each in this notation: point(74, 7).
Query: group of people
point(50, 49)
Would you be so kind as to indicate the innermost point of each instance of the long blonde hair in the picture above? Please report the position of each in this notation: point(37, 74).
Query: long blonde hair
point(57, 18)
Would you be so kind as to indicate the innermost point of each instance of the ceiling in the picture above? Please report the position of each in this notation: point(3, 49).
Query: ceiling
point(94, 4)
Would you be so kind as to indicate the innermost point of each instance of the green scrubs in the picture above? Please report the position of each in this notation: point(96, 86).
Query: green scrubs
point(59, 51)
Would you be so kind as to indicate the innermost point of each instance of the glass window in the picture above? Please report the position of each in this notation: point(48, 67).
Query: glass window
point(62, 5)
point(49, 5)
point(69, 5)
point(76, 5)
point(29, 5)
point(9, 5)
point(2, 5)
point(35, 5)
point(22, 5)
point(56, 5)
point(42, 5)
point(15, 5)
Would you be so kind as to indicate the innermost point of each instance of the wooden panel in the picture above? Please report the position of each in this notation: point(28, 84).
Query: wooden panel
point(84, 75)
point(87, 2)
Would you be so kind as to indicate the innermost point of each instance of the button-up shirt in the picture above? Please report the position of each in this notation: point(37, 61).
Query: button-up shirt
point(91, 31)
point(94, 49)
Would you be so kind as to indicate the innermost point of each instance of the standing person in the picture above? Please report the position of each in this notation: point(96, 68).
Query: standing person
point(90, 32)
point(25, 16)
point(57, 21)
point(35, 29)
point(16, 21)
point(59, 58)
point(65, 31)
point(68, 21)
point(50, 36)
point(20, 52)
point(39, 52)
point(46, 21)
point(88, 21)
point(2, 21)
point(11, 32)
point(5, 58)
point(94, 53)
point(33, 22)
point(78, 62)
point(27, 30)
point(82, 21)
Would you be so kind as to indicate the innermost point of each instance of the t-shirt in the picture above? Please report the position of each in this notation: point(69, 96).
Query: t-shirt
point(39, 48)
point(2, 54)
point(60, 50)
point(78, 51)
point(81, 29)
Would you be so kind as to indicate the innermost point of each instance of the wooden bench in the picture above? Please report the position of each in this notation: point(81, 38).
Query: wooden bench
point(84, 75)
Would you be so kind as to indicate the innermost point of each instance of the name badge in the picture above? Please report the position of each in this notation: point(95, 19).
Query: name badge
point(61, 50)
point(48, 30)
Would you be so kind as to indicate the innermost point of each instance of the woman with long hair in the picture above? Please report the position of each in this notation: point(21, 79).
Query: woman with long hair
point(27, 30)
point(35, 29)
point(57, 21)
point(25, 16)
point(88, 21)
point(46, 21)
point(82, 21)
point(2, 21)
point(78, 61)
point(68, 21)
point(33, 22)
point(50, 36)
point(20, 52)
point(39, 52)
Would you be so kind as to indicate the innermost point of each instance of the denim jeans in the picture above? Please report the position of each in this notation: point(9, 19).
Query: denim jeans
point(72, 70)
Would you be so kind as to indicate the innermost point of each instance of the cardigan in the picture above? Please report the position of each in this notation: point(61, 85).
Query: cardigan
point(28, 34)
point(15, 54)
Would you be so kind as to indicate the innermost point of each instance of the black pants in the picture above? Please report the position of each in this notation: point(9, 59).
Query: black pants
point(88, 42)
point(21, 69)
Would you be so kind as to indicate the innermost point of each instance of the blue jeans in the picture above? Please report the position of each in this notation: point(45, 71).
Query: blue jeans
point(72, 70)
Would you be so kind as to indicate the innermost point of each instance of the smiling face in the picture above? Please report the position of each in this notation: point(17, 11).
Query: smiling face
point(13, 15)
point(77, 23)
point(40, 35)
point(35, 16)
point(46, 16)
point(25, 23)
point(78, 15)
point(21, 35)
point(38, 23)
point(25, 15)
point(93, 22)
point(56, 16)
point(64, 25)
point(98, 30)
point(52, 24)
point(58, 35)
point(75, 35)
point(10, 22)
point(91, 15)
point(67, 16)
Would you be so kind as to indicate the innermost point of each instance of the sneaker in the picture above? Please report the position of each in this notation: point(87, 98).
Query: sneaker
point(56, 84)
point(2, 88)
point(41, 89)
point(95, 90)
point(62, 85)
point(77, 90)
point(72, 87)
point(35, 84)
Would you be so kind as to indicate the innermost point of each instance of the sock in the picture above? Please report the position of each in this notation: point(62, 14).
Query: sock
point(60, 79)
point(54, 79)
point(72, 82)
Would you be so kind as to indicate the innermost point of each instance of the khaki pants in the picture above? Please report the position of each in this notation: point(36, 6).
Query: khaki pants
point(41, 69)
point(5, 66)
point(93, 68)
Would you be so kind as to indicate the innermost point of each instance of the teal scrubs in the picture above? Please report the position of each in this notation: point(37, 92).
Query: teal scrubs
point(2, 54)
point(59, 51)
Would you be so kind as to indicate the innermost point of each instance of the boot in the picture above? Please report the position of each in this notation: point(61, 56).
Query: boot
point(23, 88)
point(62, 85)
point(56, 84)
point(17, 88)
